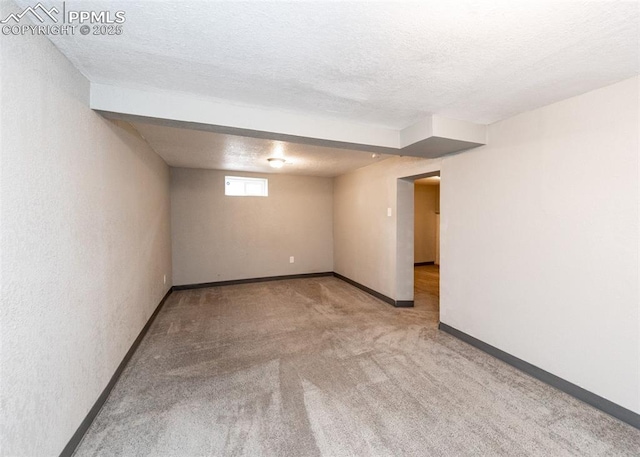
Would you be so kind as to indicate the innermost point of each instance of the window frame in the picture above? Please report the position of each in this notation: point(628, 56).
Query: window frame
point(247, 180)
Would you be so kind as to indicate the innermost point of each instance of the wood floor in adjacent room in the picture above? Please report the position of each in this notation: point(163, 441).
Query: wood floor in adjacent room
point(426, 289)
point(312, 367)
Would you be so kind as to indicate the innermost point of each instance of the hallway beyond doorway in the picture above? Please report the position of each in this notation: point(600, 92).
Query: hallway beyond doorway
point(426, 283)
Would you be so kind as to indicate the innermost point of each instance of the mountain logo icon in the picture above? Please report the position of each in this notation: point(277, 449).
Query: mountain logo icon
point(39, 11)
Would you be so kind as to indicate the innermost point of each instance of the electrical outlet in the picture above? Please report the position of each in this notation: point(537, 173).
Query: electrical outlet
point(389, 212)
point(164, 279)
point(291, 259)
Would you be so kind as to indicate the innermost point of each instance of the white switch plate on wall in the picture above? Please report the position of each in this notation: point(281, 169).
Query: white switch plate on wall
point(291, 259)
point(389, 212)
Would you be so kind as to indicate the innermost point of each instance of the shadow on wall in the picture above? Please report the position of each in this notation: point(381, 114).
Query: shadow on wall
point(405, 248)
point(426, 220)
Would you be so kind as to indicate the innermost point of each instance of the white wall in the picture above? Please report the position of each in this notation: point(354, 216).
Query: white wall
point(366, 239)
point(219, 238)
point(540, 256)
point(426, 201)
point(85, 243)
point(539, 238)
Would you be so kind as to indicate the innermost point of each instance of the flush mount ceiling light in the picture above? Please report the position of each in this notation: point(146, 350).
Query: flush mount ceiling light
point(276, 162)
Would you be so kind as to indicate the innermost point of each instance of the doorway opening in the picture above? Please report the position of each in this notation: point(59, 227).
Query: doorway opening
point(426, 246)
point(427, 296)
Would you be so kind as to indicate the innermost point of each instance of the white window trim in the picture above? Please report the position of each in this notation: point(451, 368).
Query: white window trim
point(246, 180)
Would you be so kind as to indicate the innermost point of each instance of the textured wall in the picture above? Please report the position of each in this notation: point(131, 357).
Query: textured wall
point(540, 254)
point(371, 247)
point(217, 238)
point(85, 244)
point(425, 222)
point(539, 238)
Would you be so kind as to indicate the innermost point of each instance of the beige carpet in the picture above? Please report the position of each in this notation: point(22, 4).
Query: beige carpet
point(313, 367)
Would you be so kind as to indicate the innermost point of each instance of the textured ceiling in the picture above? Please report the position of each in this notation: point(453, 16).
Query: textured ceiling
point(187, 148)
point(388, 64)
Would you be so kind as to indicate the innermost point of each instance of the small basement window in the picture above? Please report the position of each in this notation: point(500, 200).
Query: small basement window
point(239, 186)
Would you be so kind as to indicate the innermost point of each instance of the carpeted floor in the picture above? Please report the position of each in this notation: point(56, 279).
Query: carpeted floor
point(313, 367)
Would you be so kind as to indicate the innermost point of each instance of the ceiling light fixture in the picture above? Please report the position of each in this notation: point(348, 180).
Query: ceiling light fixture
point(276, 162)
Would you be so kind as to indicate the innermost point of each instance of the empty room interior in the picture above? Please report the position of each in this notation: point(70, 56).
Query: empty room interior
point(319, 228)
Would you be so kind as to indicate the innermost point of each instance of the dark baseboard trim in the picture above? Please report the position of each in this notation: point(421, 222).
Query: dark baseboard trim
point(420, 264)
point(234, 282)
point(71, 446)
point(378, 295)
point(75, 440)
point(590, 398)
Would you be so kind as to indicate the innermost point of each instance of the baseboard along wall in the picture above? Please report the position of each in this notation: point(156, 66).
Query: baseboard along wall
point(378, 295)
point(590, 398)
point(234, 282)
point(75, 440)
point(575, 391)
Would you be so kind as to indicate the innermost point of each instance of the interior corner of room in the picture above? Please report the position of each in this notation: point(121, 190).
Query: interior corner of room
point(513, 230)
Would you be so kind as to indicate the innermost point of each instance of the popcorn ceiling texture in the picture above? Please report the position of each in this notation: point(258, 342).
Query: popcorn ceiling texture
point(187, 148)
point(85, 245)
point(537, 259)
point(85, 220)
point(387, 64)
